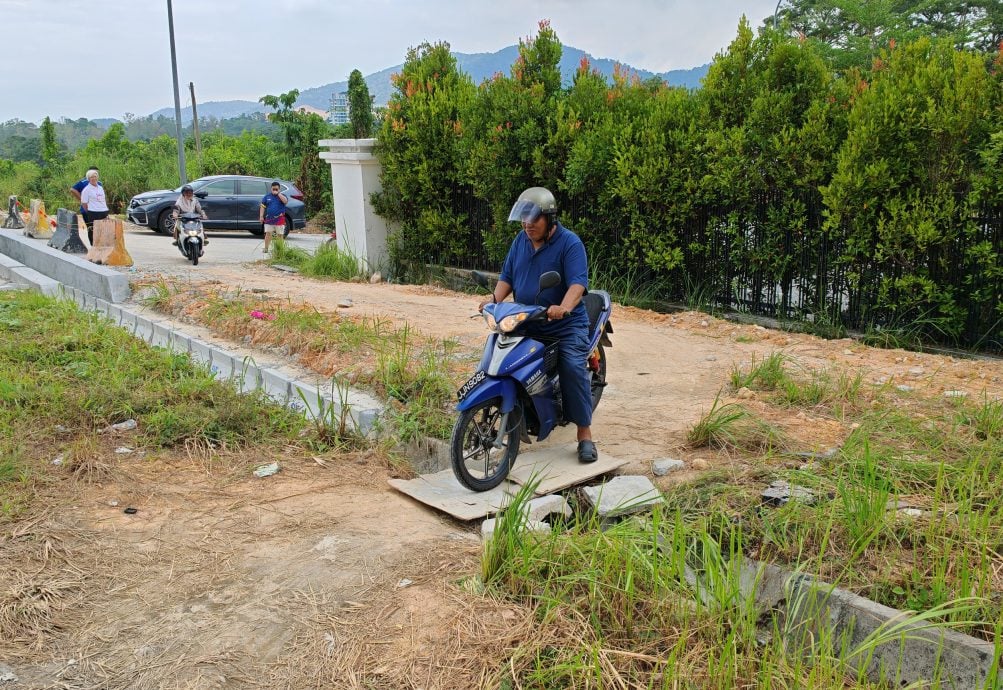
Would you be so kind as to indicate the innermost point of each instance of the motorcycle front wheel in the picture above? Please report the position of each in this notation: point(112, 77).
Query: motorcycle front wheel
point(477, 463)
point(194, 251)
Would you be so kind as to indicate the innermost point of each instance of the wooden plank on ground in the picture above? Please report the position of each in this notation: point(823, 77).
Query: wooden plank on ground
point(558, 468)
point(443, 492)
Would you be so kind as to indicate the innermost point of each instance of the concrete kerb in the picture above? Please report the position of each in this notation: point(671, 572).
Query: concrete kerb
point(890, 644)
point(362, 411)
point(67, 269)
point(20, 274)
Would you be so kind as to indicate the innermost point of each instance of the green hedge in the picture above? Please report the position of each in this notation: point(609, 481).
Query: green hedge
point(868, 199)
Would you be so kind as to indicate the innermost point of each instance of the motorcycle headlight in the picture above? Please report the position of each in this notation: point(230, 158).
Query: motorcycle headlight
point(492, 324)
point(193, 233)
point(509, 323)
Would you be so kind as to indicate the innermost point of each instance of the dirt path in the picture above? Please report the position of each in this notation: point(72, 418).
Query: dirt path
point(321, 576)
point(664, 370)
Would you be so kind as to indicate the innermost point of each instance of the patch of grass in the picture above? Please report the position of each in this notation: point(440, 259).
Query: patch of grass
point(732, 426)
point(327, 261)
point(416, 374)
point(764, 375)
point(65, 367)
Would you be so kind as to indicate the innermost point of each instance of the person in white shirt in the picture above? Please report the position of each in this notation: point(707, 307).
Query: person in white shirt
point(93, 201)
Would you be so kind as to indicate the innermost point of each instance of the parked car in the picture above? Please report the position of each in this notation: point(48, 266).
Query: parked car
point(230, 201)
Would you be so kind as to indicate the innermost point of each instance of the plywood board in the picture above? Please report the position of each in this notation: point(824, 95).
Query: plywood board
point(443, 492)
point(557, 468)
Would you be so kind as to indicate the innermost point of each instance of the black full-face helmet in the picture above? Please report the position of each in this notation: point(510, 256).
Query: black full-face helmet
point(533, 203)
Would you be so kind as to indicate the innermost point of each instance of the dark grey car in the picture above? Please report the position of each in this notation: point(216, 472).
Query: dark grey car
point(230, 201)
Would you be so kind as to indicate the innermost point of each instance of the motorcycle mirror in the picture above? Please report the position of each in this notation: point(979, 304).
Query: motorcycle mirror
point(479, 278)
point(550, 279)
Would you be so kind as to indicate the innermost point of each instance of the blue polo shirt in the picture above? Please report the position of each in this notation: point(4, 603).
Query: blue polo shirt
point(564, 253)
point(275, 210)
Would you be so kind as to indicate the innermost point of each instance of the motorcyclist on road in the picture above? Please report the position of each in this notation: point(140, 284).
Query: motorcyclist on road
point(546, 245)
point(187, 203)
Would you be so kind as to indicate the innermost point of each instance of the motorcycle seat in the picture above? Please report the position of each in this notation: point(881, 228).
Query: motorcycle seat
point(595, 304)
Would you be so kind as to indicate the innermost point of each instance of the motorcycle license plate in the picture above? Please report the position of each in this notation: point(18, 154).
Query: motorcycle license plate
point(470, 385)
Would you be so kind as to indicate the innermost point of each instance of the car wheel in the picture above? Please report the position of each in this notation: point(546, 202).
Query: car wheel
point(257, 231)
point(165, 223)
point(289, 227)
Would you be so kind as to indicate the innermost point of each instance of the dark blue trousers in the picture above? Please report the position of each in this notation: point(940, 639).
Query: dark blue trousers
point(576, 385)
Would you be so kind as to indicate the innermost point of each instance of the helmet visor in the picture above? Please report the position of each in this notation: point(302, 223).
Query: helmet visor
point(525, 211)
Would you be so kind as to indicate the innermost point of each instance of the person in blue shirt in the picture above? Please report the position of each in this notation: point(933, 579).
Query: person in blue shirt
point(273, 212)
point(546, 245)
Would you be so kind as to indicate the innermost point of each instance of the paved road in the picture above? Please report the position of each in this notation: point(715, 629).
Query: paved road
point(151, 251)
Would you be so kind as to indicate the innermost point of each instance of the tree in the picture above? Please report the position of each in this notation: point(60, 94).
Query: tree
point(360, 106)
point(50, 147)
point(851, 32)
point(424, 188)
point(511, 124)
point(919, 134)
point(300, 134)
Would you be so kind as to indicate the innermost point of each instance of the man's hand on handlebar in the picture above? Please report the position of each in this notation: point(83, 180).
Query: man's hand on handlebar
point(556, 312)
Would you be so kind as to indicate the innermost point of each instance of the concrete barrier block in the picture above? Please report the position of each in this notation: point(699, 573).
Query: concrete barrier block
point(13, 221)
point(38, 225)
point(67, 235)
point(109, 244)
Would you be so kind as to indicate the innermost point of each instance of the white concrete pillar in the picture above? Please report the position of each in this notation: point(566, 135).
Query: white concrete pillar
point(355, 175)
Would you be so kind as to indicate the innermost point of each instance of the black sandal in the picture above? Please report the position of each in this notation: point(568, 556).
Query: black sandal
point(587, 452)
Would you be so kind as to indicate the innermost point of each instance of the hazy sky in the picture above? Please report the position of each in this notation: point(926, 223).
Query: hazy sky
point(103, 58)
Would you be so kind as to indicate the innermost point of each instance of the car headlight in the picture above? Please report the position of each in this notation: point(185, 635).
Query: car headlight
point(509, 323)
point(148, 200)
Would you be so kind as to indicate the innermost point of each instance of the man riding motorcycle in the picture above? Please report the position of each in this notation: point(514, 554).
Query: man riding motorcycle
point(546, 245)
point(187, 203)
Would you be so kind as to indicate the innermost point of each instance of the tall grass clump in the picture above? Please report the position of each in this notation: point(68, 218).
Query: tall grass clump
point(327, 261)
point(731, 426)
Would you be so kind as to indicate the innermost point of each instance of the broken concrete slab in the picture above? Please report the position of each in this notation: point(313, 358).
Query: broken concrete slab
point(489, 526)
point(662, 467)
point(545, 506)
point(622, 496)
point(781, 493)
point(443, 492)
point(558, 468)
point(7, 675)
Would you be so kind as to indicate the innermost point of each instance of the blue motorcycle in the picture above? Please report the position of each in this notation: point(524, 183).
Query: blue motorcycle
point(516, 391)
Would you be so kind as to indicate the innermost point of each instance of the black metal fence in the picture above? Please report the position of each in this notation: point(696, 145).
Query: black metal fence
point(730, 261)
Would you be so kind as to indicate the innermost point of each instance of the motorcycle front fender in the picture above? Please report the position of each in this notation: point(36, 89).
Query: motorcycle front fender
point(491, 387)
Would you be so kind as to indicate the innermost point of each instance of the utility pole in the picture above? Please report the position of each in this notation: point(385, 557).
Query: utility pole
point(177, 97)
point(195, 125)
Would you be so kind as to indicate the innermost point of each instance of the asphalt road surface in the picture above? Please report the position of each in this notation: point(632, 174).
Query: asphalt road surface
point(153, 252)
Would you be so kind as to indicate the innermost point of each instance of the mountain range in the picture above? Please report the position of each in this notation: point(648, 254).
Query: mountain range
point(479, 66)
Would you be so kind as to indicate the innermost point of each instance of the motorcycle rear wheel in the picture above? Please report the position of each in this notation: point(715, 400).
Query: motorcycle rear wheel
point(477, 464)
